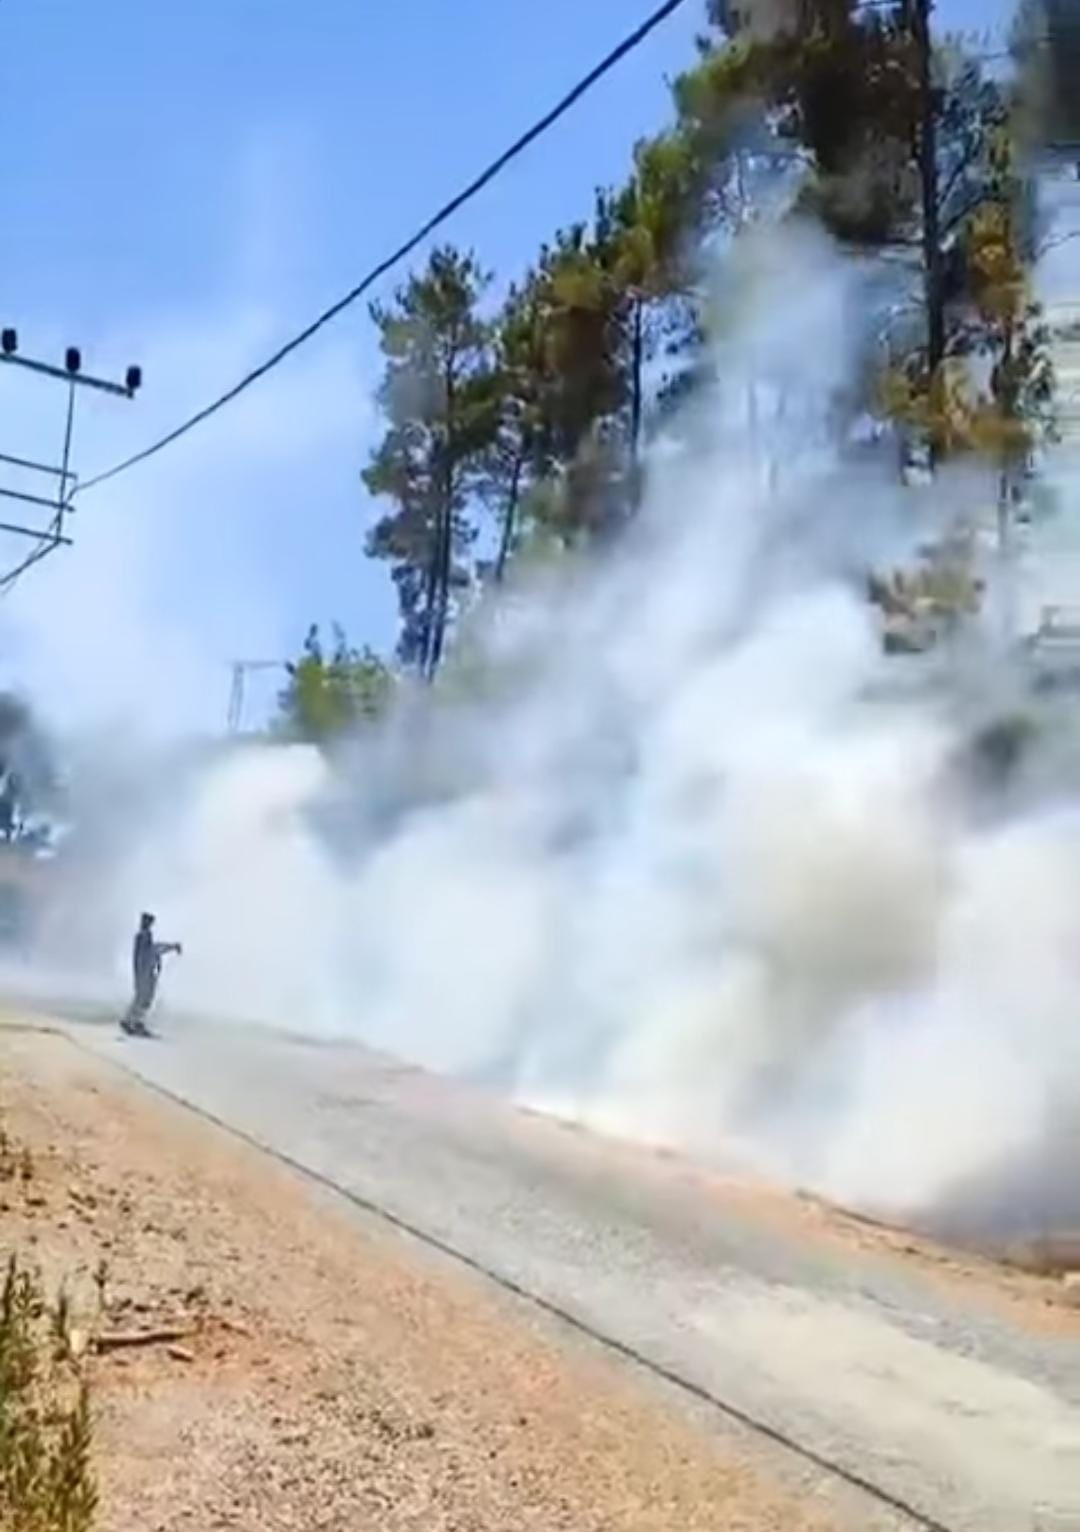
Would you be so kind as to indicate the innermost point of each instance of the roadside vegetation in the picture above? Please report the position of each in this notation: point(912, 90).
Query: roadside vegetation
point(517, 407)
point(47, 1479)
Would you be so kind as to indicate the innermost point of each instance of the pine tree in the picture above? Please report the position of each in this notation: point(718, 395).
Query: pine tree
point(438, 399)
point(898, 135)
point(647, 227)
point(580, 386)
point(523, 452)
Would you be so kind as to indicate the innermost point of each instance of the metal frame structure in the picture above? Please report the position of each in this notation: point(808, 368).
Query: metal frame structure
point(240, 669)
point(49, 538)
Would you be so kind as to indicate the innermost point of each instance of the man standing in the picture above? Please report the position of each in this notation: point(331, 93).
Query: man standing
point(147, 956)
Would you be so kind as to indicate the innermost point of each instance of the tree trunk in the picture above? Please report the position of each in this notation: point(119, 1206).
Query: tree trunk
point(637, 401)
point(506, 540)
point(1008, 404)
point(431, 588)
point(637, 381)
point(445, 569)
point(444, 542)
point(1006, 560)
point(933, 260)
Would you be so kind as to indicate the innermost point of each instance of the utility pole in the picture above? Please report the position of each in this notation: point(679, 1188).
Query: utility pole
point(240, 671)
point(71, 374)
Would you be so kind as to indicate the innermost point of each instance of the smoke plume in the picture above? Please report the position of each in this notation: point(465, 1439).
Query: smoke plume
point(683, 854)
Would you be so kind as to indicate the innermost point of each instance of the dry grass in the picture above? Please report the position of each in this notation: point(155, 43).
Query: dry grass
point(46, 1477)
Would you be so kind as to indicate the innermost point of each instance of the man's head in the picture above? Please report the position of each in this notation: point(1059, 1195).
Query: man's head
point(146, 922)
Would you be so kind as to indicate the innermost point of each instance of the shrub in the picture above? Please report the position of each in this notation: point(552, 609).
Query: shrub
point(46, 1479)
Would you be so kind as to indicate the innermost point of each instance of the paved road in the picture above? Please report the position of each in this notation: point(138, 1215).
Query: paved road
point(870, 1364)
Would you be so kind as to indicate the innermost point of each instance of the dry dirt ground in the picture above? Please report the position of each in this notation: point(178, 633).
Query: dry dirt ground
point(331, 1375)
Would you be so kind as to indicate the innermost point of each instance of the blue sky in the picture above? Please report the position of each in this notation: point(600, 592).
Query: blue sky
point(183, 186)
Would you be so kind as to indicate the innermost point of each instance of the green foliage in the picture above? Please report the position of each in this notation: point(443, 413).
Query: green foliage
point(645, 229)
point(521, 455)
point(651, 216)
point(996, 322)
point(1013, 335)
point(439, 400)
point(46, 1476)
point(897, 139)
point(921, 606)
point(520, 434)
point(535, 417)
point(330, 694)
point(837, 81)
point(566, 390)
point(583, 318)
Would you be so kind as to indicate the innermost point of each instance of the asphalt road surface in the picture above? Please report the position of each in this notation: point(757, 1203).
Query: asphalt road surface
point(961, 1414)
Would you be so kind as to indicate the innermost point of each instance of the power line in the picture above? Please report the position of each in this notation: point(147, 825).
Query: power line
point(13, 575)
point(497, 166)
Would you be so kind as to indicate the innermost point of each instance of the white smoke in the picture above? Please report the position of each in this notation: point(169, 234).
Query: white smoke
point(698, 871)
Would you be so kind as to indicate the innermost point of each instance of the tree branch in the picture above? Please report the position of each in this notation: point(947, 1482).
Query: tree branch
point(959, 171)
point(1056, 243)
point(950, 225)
